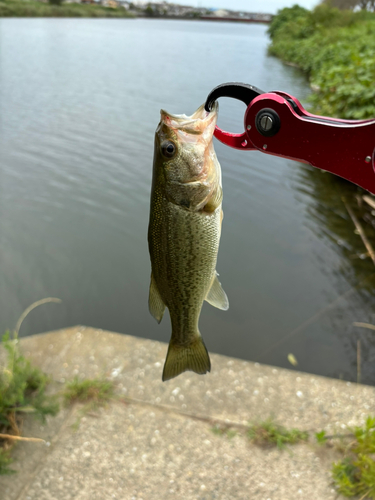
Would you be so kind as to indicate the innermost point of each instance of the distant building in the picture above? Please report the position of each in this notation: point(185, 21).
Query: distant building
point(221, 13)
point(109, 3)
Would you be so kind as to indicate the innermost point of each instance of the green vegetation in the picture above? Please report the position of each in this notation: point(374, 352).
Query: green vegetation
point(224, 431)
point(268, 433)
point(336, 49)
point(321, 437)
point(96, 391)
point(151, 11)
point(354, 475)
point(5, 461)
point(30, 8)
point(22, 390)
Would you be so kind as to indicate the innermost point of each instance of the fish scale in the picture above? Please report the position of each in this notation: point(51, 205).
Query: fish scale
point(190, 244)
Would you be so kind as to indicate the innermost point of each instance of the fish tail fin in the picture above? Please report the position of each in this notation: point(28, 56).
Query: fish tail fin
point(180, 358)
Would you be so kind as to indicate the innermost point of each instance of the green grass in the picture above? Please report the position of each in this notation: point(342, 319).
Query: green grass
point(224, 431)
point(268, 433)
point(354, 474)
point(96, 391)
point(5, 462)
point(321, 437)
point(22, 390)
point(29, 8)
point(93, 393)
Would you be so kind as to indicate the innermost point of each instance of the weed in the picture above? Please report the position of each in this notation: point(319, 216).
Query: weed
point(268, 433)
point(22, 390)
point(321, 437)
point(355, 473)
point(224, 431)
point(5, 461)
point(231, 433)
point(95, 391)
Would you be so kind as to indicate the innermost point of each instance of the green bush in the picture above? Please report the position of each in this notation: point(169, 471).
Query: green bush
point(285, 17)
point(336, 49)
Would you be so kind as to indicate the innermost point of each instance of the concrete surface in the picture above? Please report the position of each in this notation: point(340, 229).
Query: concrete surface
point(158, 442)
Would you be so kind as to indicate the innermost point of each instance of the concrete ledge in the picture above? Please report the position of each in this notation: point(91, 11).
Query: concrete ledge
point(153, 447)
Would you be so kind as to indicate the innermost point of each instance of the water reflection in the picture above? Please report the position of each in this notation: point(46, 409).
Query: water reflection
point(328, 219)
point(354, 278)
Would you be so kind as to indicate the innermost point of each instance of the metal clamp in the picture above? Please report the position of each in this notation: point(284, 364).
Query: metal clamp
point(276, 123)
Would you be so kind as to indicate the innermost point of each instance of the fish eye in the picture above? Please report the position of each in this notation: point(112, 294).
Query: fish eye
point(168, 149)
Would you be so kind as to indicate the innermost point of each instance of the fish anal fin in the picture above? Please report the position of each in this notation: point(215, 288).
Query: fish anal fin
point(216, 295)
point(155, 302)
point(193, 357)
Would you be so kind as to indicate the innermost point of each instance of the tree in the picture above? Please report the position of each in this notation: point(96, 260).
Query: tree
point(351, 4)
point(151, 11)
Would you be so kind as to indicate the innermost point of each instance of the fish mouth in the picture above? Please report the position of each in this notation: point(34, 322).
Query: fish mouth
point(195, 124)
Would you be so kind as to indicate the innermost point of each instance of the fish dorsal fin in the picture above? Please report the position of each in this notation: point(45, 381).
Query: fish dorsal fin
point(155, 302)
point(216, 296)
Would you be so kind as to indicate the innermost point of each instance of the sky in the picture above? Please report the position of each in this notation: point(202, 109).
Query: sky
point(268, 6)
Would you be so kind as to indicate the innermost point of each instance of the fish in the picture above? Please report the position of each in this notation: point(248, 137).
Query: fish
point(184, 233)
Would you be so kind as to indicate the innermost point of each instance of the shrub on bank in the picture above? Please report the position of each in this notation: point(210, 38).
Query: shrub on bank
point(337, 51)
point(22, 8)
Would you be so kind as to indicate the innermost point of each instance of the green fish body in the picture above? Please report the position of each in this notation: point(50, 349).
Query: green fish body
point(184, 234)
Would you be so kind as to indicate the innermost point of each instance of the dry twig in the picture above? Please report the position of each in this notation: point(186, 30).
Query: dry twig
point(360, 232)
point(20, 438)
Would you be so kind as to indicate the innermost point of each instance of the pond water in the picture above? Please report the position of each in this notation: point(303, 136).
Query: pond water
point(79, 103)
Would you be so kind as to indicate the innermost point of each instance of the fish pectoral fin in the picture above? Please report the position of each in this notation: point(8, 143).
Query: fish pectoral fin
point(155, 302)
point(214, 201)
point(193, 357)
point(216, 295)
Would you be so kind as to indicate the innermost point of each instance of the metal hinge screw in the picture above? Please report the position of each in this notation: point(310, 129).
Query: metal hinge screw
point(266, 123)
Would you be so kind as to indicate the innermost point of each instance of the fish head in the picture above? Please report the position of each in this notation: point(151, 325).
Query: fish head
point(185, 163)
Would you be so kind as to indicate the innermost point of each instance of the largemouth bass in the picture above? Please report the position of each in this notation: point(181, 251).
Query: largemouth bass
point(184, 233)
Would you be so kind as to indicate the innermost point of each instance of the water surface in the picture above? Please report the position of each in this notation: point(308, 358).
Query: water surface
point(79, 102)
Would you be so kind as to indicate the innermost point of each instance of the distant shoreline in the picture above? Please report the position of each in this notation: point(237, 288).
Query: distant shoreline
point(209, 18)
point(234, 20)
point(20, 8)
